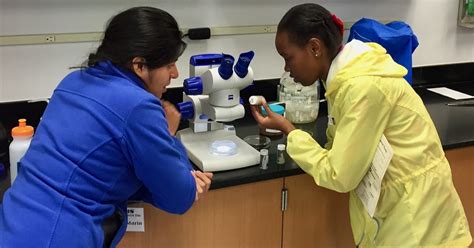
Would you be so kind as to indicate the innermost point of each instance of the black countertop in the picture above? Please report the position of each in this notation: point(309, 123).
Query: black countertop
point(248, 126)
point(455, 126)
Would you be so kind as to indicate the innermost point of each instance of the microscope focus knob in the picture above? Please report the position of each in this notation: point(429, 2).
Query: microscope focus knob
point(193, 86)
point(186, 109)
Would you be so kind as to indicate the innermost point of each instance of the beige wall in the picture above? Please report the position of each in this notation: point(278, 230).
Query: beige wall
point(28, 72)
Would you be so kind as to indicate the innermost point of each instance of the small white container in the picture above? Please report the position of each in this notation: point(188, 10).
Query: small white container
point(22, 136)
point(256, 100)
point(263, 159)
point(281, 153)
point(223, 148)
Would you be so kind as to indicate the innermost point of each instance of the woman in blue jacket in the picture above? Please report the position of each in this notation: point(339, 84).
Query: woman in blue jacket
point(105, 138)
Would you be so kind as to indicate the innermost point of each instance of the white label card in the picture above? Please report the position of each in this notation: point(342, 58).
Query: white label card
point(136, 220)
point(369, 188)
point(450, 93)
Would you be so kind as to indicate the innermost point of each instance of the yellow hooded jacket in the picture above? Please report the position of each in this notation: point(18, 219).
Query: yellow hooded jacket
point(368, 97)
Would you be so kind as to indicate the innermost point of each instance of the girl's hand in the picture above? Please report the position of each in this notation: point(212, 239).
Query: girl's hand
point(272, 120)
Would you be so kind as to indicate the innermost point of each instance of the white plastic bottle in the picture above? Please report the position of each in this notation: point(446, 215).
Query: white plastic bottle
point(256, 100)
point(22, 135)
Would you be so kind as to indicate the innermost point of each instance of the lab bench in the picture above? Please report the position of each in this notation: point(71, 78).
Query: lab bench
point(282, 207)
point(455, 125)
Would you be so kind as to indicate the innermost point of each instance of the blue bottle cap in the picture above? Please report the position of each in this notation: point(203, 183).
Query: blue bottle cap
point(275, 108)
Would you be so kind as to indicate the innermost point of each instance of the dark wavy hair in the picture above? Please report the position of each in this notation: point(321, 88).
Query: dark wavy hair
point(310, 20)
point(145, 32)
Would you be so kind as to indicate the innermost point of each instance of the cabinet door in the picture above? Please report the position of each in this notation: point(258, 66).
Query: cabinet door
point(241, 216)
point(315, 217)
point(462, 168)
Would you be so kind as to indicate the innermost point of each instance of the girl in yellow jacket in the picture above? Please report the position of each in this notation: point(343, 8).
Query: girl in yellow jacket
point(368, 98)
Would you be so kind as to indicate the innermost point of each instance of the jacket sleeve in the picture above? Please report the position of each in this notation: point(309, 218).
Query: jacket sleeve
point(329, 137)
point(159, 159)
point(364, 115)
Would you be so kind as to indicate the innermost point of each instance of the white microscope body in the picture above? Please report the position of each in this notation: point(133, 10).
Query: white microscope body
point(210, 98)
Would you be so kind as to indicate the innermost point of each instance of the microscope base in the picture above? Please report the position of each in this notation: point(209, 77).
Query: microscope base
point(197, 146)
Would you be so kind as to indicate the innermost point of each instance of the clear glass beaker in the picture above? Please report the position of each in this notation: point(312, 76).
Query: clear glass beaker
point(302, 102)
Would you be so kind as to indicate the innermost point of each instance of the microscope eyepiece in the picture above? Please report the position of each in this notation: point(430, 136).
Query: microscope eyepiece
point(225, 69)
point(242, 65)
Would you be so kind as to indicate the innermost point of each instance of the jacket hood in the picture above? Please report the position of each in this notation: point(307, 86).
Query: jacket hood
point(362, 59)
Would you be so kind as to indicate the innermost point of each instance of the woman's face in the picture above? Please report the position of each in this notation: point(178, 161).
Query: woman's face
point(156, 80)
point(301, 62)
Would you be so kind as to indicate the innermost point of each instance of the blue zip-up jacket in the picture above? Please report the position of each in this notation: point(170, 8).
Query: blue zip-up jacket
point(102, 139)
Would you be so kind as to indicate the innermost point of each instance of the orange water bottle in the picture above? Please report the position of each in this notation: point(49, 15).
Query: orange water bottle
point(22, 135)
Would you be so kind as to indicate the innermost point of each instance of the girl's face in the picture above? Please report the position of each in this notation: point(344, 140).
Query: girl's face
point(156, 80)
point(304, 63)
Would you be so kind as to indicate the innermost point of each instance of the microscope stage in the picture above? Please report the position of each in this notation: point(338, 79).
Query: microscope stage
point(198, 147)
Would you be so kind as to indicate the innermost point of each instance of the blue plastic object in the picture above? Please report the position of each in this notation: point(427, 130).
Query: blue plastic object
point(396, 37)
point(225, 69)
point(275, 108)
point(206, 59)
point(242, 65)
point(193, 86)
point(186, 109)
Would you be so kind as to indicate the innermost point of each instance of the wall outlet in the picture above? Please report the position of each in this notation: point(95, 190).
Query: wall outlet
point(50, 38)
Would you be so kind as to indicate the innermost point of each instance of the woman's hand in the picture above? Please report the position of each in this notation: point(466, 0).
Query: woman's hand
point(173, 116)
point(203, 182)
point(272, 120)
